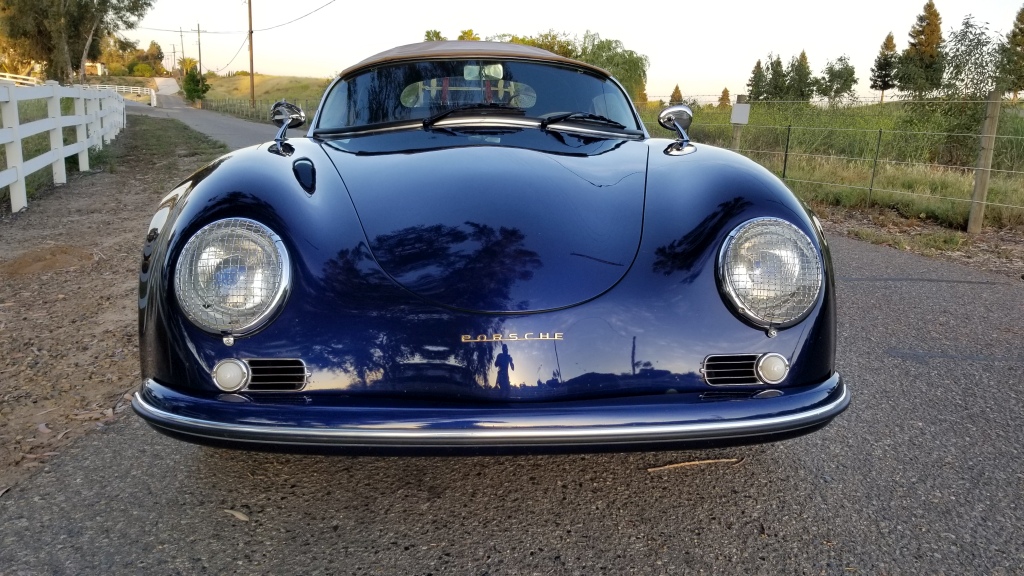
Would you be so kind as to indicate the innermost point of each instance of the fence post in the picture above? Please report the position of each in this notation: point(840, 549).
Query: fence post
point(9, 111)
point(60, 175)
point(92, 108)
point(874, 166)
point(785, 157)
point(984, 169)
point(81, 134)
point(739, 117)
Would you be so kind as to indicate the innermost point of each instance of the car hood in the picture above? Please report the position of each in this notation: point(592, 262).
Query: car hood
point(496, 228)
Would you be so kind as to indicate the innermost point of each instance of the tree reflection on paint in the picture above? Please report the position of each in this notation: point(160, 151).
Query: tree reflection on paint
point(389, 336)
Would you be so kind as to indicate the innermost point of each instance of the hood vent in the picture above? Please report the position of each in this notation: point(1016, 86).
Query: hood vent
point(276, 374)
point(731, 370)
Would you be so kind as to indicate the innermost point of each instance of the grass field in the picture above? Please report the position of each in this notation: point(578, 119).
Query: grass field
point(230, 94)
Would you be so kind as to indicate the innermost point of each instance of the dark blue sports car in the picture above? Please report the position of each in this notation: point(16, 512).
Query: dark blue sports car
point(478, 247)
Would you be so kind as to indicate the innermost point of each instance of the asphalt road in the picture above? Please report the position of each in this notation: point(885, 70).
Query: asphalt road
point(924, 474)
point(233, 132)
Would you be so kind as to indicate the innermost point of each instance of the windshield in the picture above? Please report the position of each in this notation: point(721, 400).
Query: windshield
point(414, 91)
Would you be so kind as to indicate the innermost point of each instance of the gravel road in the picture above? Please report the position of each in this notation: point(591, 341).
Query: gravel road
point(924, 474)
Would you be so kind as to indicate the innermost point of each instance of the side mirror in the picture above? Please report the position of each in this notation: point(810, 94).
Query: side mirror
point(283, 112)
point(285, 115)
point(678, 118)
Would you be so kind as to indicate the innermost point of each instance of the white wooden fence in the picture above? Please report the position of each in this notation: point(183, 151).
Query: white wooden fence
point(98, 117)
point(20, 80)
point(122, 89)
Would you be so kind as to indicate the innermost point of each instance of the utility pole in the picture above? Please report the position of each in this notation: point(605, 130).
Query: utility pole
point(199, 39)
point(202, 79)
point(181, 36)
point(252, 79)
point(174, 59)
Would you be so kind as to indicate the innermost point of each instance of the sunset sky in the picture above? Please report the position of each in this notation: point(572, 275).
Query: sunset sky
point(702, 46)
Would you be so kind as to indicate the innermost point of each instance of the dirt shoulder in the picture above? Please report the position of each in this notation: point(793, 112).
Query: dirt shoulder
point(68, 282)
point(68, 269)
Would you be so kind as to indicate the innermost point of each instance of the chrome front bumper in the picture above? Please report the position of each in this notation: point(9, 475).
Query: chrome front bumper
point(644, 423)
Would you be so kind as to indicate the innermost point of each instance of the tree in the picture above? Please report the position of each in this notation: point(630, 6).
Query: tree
point(757, 86)
point(776, 85)
point(194, 85)
point(676, 97)
point(799, 79)
point(13, 57)
point(186, 64)
point(972, 62)
point(1011, 65)
point(837, 80)
point(142, 69)
point(57, 30)
point(433, 36)
point(724, 100)
point(628, 67)
point(468, 35)
point(919, 69)
point(556, 42)
point(882, 73)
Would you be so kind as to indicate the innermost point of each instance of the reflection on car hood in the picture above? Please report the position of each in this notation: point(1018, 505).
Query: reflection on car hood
point(492, 228)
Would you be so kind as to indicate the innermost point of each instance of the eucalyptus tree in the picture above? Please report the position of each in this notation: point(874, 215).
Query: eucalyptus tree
point(59, 30)
point(837, 81)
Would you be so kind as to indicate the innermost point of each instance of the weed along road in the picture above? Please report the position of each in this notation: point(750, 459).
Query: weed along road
point(923, 474)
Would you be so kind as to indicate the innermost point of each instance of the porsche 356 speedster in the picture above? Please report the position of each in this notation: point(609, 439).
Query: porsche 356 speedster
point(479, 247)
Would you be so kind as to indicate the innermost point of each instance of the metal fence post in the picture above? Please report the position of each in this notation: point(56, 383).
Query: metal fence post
point(874, 166)
point(785, 157)
point(984, 169)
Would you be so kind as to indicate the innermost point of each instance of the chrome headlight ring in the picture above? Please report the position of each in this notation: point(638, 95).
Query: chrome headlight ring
point(231, 276)
point(770, 272)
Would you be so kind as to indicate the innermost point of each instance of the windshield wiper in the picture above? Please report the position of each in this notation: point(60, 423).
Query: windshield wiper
point(585, 116)
point(482, 108)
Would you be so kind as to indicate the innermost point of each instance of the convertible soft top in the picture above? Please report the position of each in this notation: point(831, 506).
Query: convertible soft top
point(466, 49)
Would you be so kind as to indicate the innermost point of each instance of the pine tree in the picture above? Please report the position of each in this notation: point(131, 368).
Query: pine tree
point(776, 85)
point(676, 97)
point(723, 100)
point(919, 69)
point(799, 79)
point(758, 83)
point(882, 73)
point(1012, 65)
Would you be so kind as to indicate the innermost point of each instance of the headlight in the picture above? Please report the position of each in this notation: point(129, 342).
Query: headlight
point(770, 271)
point(231, 276)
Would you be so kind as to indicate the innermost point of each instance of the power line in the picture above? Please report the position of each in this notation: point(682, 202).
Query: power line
point(297, 19)
point(246, 31)
point(244, 40)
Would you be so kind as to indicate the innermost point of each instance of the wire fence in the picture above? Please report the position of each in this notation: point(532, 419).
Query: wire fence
point(260, 112)
point(918, 157)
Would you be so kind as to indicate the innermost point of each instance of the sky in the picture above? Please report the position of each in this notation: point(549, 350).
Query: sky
point(701, 46)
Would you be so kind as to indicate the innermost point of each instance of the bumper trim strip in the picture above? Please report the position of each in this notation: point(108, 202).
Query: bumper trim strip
point(498, 436)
